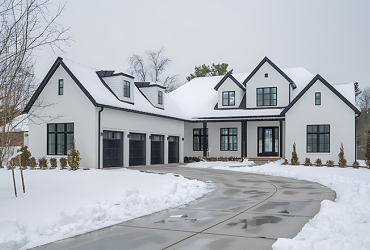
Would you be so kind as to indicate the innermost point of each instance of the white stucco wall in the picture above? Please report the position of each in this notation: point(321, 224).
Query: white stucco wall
point(274, 79)
point(116, 85)
point(214, 137)
point(332, 111)
point(128, 122)
point(229, 85)
point(71, 107)
point(152, 94)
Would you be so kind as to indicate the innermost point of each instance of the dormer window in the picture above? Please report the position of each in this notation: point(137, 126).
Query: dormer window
point(160, 97)
point(318, 98)
point(266, 97)
point(126, 89)
point(228, 98)
point(60, 87)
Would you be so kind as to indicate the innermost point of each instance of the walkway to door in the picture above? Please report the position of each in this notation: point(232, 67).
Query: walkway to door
point(247, 211)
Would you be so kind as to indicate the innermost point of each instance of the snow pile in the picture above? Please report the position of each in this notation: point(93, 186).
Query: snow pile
point(60, 204)
point(343, 224)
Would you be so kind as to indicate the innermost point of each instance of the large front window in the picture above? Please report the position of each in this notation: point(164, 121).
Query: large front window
point(60, 138)
point(198, 139)
point(266, 96)
point(229, 139)
point(228, 98)
point(318, 138)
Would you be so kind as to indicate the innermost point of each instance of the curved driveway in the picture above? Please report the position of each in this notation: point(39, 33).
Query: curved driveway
point(247, 211)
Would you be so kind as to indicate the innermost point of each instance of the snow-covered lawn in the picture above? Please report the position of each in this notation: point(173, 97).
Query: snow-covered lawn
point(343, 224)
point(60, 204)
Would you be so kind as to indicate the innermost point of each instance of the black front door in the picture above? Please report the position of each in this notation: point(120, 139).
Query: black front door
point(268, 141)
point(137, 149)
point(112, 149)
point(173, 149)
point(157, 149)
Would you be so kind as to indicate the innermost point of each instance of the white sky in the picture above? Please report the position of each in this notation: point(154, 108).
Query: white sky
point(327, 37)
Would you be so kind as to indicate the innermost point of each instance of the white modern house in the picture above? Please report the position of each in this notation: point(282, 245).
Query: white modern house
point(116, 121)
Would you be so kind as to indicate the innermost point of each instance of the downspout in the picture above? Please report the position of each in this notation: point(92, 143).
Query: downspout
point(355, 138)
point(99, 116)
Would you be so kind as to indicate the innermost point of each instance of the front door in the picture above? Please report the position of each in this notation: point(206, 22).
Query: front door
point(268, 141)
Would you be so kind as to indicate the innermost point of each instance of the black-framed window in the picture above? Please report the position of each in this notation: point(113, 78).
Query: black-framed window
point(60, 138)
point(160, 97)
point(126, 89)
point(266, 75)
point(228, 98)
point(198, 139)
point(318, 138)
point(60, 87)
point(318, 98)
point(267, 96)
point(229, 139)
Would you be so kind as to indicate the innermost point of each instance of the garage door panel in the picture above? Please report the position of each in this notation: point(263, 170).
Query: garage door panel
point(137, 149)
point(112, 149)
point(173, 149)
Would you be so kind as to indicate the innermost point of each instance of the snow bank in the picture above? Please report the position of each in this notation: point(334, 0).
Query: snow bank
point(343, 224)
point(60, 204)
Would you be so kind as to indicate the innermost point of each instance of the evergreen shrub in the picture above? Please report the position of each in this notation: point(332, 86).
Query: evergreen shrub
point(329, 163)
point(25, 157)
point(33, 163)
point(294, 160)
point(63, 163)
point(342, 160)
point(355, 164)
point(307, 162)
point(318, 162)
point(53, 163)
point(74, 158)
point(43, 163)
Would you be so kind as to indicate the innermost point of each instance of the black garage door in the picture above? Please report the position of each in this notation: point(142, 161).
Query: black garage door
point(137, 149)
point(112, 149)
point(173, 149)
point(157, 149)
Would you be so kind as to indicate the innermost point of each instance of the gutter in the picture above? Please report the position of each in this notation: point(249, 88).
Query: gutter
point(99, 135)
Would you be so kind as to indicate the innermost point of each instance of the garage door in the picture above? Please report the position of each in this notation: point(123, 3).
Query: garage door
point(173, 149)
point(112, 149)
point(137, 149)
point(157, 149)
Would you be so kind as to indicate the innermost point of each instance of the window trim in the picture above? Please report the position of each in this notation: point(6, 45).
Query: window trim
point(228, 138)
point(200, 135)
point(160, 97)
point(228, 98)
point(56, 137)
point(263, 96)
point(317, 99)
point(60, 87)
point(318, 139)
point(126, 87)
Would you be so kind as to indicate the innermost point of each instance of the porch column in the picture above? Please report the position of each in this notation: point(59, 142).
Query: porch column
point(205, 142)
point(281, 138)
point(244, 139)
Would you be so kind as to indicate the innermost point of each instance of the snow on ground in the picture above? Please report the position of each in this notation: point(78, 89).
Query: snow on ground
point(343, 224)
point(60, 204)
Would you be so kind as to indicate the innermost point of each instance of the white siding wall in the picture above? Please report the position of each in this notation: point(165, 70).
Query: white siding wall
point(152, 94)
point(127, 122)
point(116, 84)
point(332, 111)
point(229, 85)
point(214, 139)
point(72, 106)
point(275, 79)
point(252, 135)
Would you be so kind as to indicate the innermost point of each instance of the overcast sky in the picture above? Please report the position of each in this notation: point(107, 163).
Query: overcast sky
point(330, 38)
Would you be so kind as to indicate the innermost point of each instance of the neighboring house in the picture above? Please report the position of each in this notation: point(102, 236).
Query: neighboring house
point(118, 122)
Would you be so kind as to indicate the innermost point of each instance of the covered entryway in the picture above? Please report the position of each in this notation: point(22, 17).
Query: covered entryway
point(112, 149)
point(173, 149)
point(157, 149)
point(268, 141)
point(137, 149)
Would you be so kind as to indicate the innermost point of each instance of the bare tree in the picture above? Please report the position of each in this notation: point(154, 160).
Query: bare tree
point(364, 99)
point(157, 64)
point(26, 25)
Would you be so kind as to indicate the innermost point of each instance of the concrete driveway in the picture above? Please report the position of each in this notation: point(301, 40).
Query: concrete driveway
point(247, 211)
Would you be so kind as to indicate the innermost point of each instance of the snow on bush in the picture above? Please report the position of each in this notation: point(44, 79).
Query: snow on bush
point(60, 204)
point(343, 224)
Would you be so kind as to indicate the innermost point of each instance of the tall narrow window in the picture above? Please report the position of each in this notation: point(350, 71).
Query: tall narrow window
point(266, 96)
point(60, 87)
point(228, 98)
point(160, 97)
point(318, 98)
point(198, 139)
point(126, 89)
point(229, 139)
point(60, 138)
point(318, 138)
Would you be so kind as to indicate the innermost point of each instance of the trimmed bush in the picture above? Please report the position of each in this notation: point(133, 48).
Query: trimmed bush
point(25, 157)
point(355, 164)
point(294, 160)
point(43, 163)
point(329, 163)
point(307, 162)
point(74, 158)
point(342, 160)
point(53, 163)
point(33, 163)
point(318, 162)
point(63, 163)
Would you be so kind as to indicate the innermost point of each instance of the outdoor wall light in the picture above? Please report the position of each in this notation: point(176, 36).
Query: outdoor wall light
point(183, 138)
point(150, 137)
point(128, 136)
point(168, 138)
point(101, 133)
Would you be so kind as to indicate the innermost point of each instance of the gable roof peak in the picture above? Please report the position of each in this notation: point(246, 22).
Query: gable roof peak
point(228, 75)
